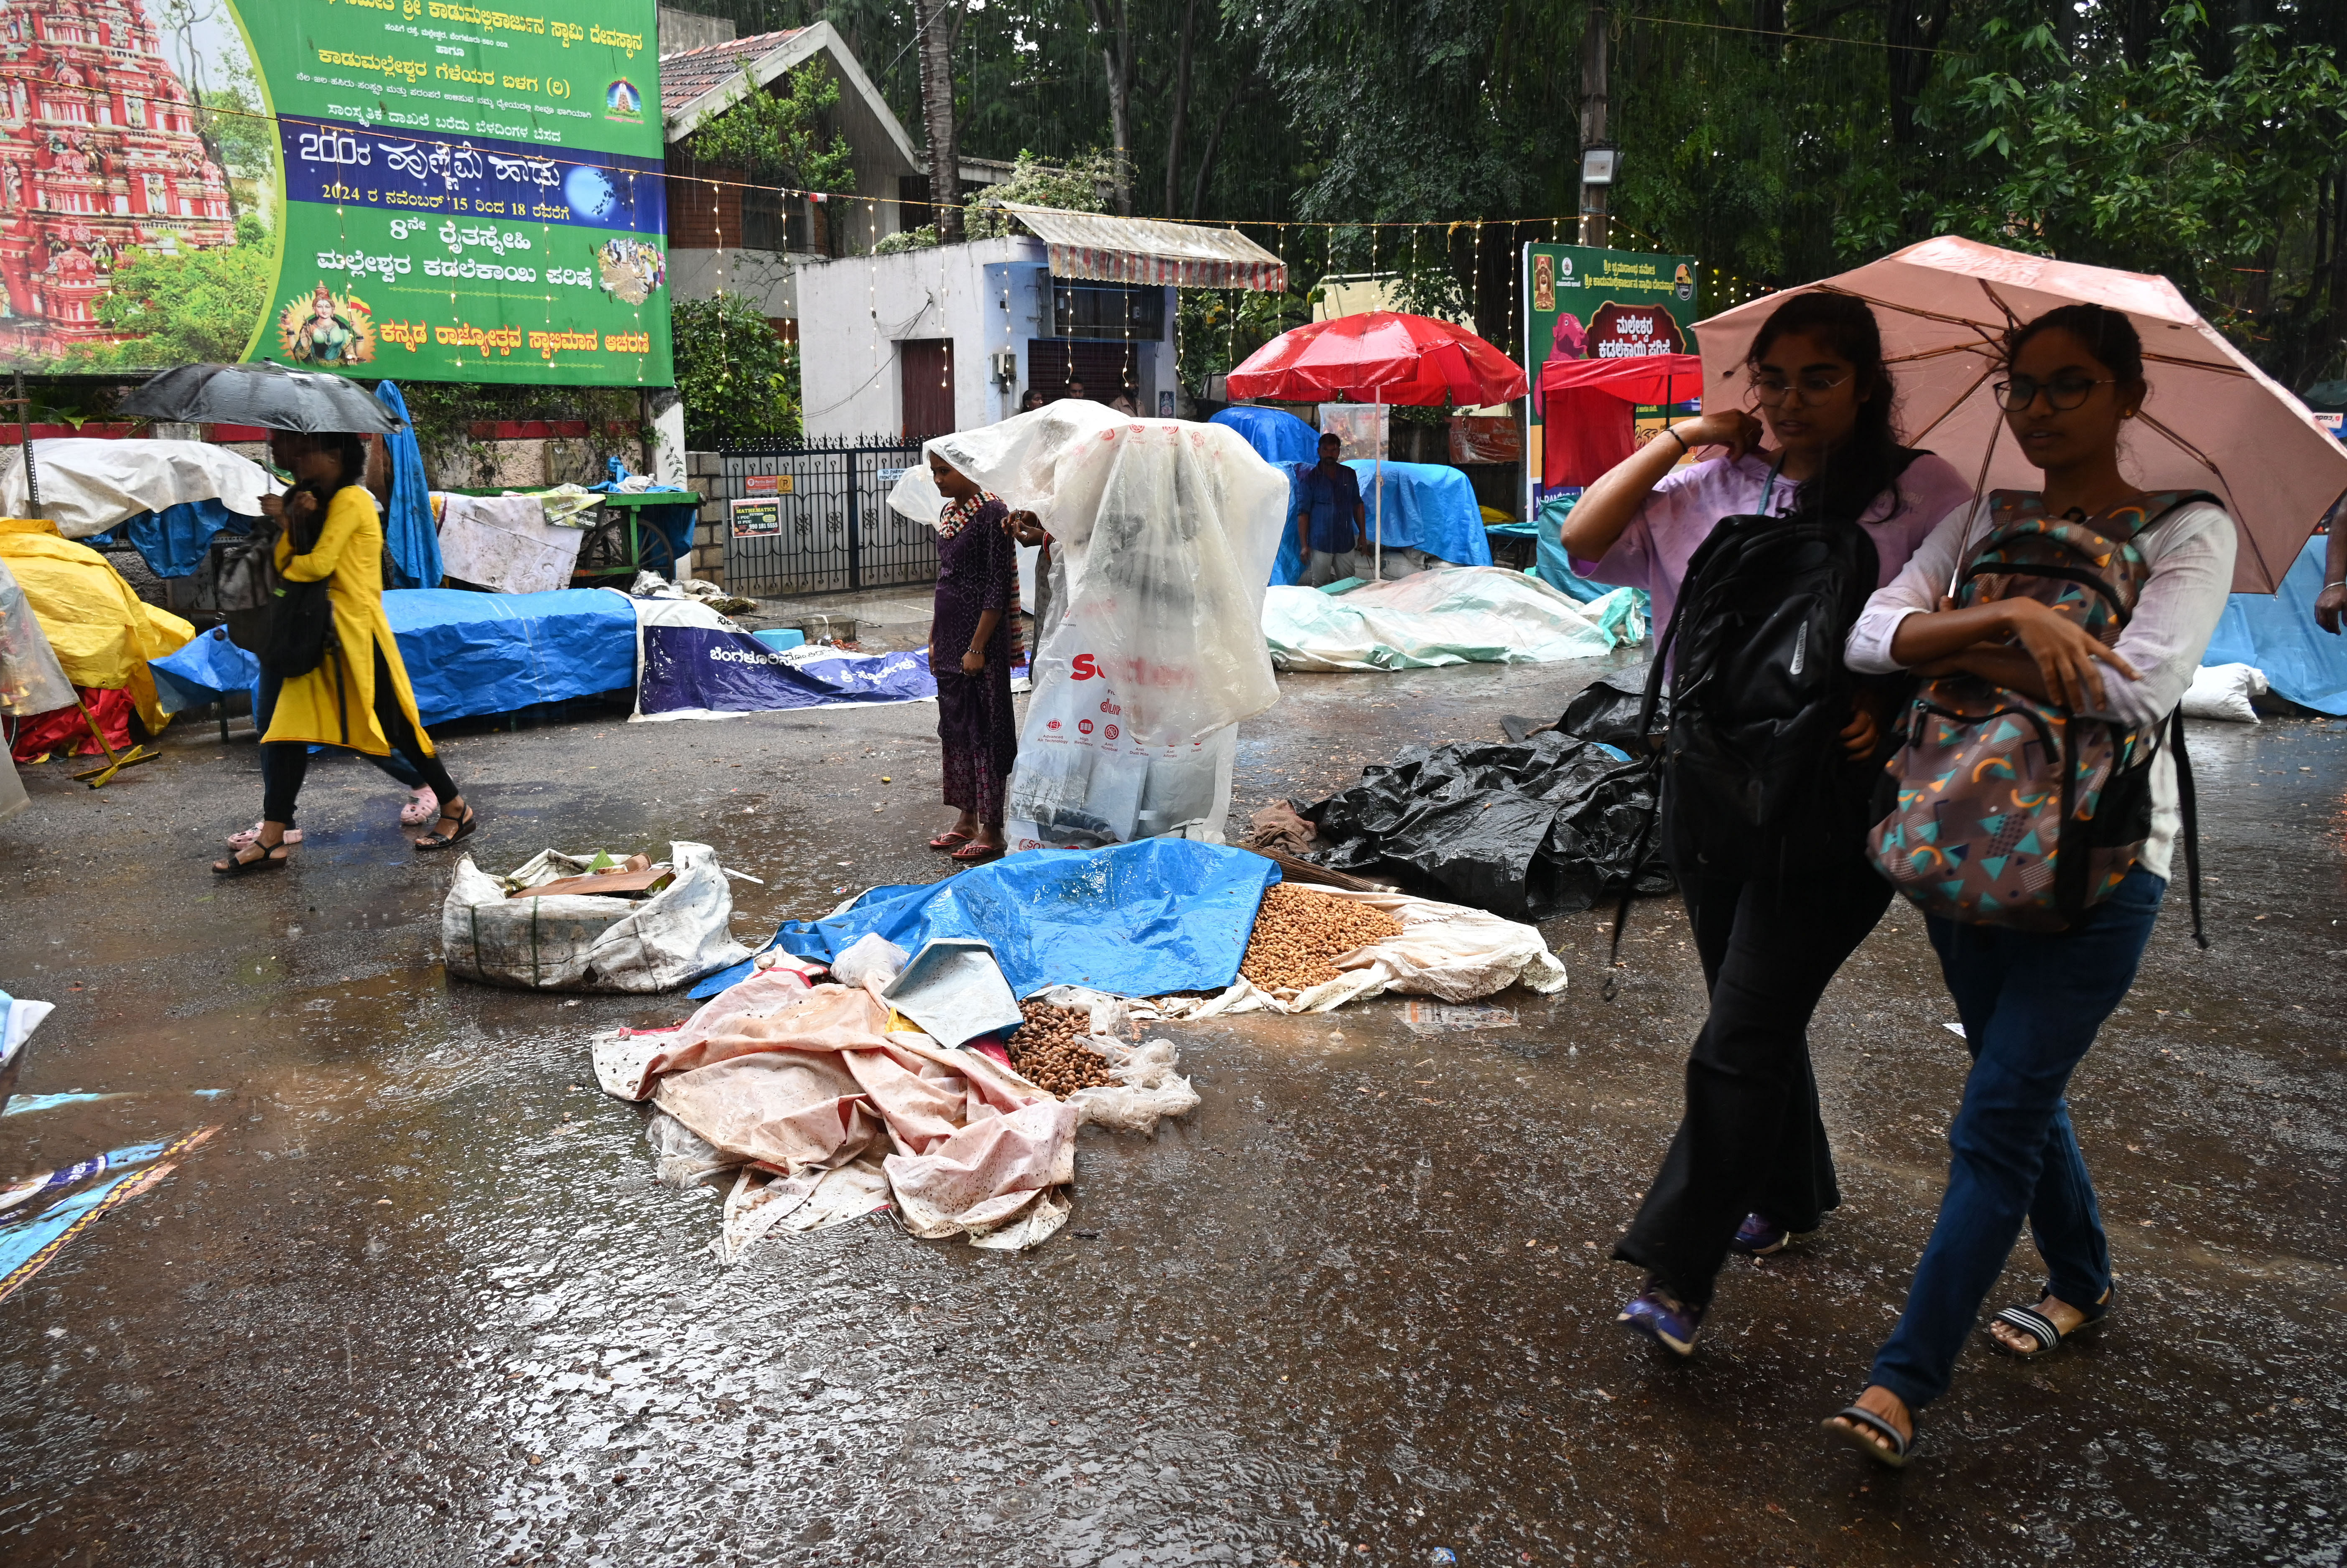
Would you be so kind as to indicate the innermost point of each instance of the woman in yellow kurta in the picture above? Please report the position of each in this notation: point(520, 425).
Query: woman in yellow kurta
point(358, 696)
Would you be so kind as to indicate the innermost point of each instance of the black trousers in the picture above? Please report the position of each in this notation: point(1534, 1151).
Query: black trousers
point(285, 764)
point(1751, 1138)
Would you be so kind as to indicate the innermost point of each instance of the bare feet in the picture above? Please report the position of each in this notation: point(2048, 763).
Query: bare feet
point(1879, 1402)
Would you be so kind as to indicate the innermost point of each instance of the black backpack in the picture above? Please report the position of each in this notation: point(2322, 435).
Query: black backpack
point(1753, 773)
point(301, 615)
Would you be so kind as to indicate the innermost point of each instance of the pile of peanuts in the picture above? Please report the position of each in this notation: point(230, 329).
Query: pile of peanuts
point(1048, 1050)
point(1299, 933)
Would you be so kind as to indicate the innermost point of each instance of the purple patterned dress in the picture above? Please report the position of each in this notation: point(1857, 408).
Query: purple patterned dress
point(977, 570)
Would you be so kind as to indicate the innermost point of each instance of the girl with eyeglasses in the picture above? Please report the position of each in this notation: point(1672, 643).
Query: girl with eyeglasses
point(2032, 1002)
point(1749, 1169)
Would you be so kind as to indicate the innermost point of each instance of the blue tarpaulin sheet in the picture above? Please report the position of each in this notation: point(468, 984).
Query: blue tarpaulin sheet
point(2276, 632)
point(173, 540)
point(469, 653)
point(1134, 919)
point(1285, 441)
point(198, 673)
point(1556, 568)
point(1428, 508)
point(408, 531)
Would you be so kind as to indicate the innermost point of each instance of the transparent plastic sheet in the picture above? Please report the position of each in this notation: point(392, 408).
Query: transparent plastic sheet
point(31, 680)
point(583, 942)
point(1147, 1089)
point(1168, 531)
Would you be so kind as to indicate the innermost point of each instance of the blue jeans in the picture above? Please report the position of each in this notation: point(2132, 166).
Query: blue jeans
point(2031, 1005)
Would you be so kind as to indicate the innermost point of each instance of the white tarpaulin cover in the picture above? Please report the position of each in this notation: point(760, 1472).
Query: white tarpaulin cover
point(87, 486)
point(1168, 529)
point(1444, 950)
point(504, 542)
point(1477, 614)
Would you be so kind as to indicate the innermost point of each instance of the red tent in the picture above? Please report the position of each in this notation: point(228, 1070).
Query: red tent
point(1585, 404)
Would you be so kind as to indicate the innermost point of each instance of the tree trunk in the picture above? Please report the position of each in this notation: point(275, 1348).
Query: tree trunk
point(1595, 110)
point(1179, 121)
point(1115, 31)
point(1214, 144)
point(935, 20)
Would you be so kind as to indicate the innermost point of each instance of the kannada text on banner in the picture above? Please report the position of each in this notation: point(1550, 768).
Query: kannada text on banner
point(406, 188)
point(1582, 303)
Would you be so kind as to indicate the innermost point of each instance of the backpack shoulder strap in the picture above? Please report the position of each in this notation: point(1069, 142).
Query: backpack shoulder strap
point(2186, 802)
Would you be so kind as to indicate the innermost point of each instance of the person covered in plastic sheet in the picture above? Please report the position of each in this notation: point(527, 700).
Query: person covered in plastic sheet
point(1331, 521)
point(1749, 1169)
point(970, 653)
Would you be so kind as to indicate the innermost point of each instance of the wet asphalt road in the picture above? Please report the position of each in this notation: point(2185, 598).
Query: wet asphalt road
point(421, 1304)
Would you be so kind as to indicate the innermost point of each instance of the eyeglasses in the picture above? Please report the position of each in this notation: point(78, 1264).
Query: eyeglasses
point(1771, 391)
point(2062, 394)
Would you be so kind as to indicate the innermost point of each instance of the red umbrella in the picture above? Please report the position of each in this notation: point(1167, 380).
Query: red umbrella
point(1383, 356)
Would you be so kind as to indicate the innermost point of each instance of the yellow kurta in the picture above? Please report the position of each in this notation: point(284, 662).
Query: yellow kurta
point(349, 557)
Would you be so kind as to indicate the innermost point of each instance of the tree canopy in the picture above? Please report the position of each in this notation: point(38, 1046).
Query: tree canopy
point(1779, 140)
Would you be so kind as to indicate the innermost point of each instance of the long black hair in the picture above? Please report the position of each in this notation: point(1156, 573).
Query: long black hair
point(1871, 461)
point(350, 451)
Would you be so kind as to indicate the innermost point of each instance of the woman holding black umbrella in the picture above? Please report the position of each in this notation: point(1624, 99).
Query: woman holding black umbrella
point(357, 694)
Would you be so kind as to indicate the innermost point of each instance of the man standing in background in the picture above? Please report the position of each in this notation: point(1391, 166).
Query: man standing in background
point(1329, 518)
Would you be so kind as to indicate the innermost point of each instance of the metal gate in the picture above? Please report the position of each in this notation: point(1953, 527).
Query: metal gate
point(832, 529)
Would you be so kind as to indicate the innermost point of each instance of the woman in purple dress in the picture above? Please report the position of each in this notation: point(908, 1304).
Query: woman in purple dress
point(970, 653)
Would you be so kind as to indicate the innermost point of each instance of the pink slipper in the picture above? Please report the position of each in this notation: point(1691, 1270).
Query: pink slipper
point(238, 840)
point(425, 807)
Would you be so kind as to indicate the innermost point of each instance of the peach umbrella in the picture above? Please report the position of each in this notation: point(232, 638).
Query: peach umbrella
point(2212, 421)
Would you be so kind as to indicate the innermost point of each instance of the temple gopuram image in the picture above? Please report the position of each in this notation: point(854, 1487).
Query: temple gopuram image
point(98, 154)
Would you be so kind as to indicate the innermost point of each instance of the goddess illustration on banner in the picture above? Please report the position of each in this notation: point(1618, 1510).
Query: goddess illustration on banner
point(327, 329)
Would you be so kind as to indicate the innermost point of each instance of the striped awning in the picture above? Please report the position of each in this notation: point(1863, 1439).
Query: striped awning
point(1099, 248)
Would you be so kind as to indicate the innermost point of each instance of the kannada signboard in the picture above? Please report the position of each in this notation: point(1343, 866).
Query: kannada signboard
point(414, 188)
point(1586, 303)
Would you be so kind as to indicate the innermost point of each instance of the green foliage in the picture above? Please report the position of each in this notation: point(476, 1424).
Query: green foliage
point(921, 238)
point(1217, 329)
point(1082, 184)
point(737, 380)
point(778, 137)
point(195, 305)
point(2161, 167)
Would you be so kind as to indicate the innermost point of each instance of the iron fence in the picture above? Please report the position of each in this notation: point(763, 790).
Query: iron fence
point(829, 529)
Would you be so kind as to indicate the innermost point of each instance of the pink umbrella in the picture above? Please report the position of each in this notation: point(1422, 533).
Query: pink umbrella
point(1380, 356)
point(2212, 421)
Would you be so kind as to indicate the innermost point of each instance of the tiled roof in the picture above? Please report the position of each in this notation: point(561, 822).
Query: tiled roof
point(685, 77)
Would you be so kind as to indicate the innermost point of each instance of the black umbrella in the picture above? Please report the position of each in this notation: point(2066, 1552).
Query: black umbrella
point(264, 394)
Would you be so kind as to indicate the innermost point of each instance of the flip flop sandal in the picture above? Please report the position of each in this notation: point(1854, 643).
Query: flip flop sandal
point(465, 830)
point(2042, 1329)
point(271, 861)
point(1861, 1421)
point(948, 840)
point(977, 854)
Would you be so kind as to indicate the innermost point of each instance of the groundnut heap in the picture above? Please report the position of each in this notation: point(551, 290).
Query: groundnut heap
point(1299, 934)
point(1048, 1050)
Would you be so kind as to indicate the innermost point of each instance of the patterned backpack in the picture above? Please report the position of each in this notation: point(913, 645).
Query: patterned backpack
point(2013, 811)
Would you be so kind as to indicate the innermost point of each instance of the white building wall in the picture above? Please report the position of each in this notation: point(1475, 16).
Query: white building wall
point(987, 297)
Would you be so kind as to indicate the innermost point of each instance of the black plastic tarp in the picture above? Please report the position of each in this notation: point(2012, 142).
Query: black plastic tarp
point(1526, 831)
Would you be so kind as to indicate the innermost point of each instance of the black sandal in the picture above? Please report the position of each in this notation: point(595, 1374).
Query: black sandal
point(272, 856)
point(465, 830)
point(1852, 1423)
point(2042, 1329)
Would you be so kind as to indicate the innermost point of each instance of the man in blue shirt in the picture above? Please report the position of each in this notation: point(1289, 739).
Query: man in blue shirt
point(1329, 518)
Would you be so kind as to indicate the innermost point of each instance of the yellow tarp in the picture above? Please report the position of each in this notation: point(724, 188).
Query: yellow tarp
point(103, 633)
